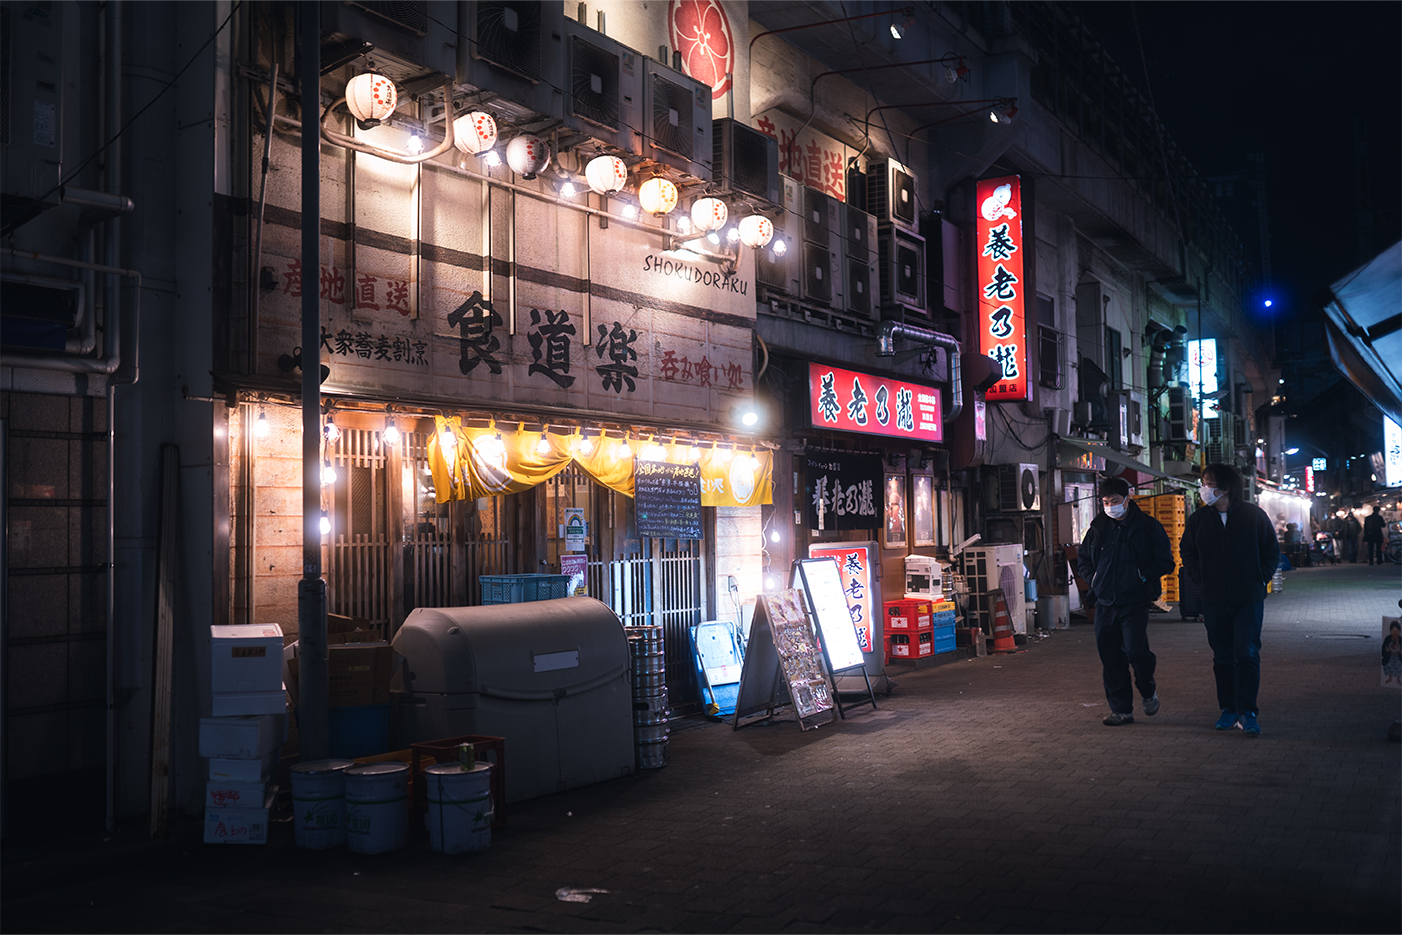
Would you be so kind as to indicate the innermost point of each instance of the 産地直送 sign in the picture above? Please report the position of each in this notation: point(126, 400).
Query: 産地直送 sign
point(1002, 319)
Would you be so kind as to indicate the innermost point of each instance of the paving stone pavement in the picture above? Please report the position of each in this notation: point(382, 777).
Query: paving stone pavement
point(982, 796)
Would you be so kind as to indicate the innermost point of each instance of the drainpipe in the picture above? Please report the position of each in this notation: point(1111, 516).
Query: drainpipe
point(886, 347)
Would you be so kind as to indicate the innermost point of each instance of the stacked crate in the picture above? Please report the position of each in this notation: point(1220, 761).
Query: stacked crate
point(909, 628)
point(518, 589)
point(1171, 511)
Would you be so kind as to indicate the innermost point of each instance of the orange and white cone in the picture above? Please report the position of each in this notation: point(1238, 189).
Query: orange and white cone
point(1003, 641)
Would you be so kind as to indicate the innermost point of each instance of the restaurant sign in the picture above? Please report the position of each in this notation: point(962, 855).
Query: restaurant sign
point(1002, 313)
point(846, 401)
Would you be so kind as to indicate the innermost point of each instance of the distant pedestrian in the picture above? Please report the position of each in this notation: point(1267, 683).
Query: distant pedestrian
point(1229, 550)
point(1373, 527)
point(1351, 531)
point(1124, 556)
point(1392, 654)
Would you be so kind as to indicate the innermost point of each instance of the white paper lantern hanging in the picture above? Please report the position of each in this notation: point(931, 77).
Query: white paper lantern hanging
point(756, 230)
point(709, 214)
point(475, 132)
point(371, 98)
point(657, 196)
point(527, 155)
point(606, 174)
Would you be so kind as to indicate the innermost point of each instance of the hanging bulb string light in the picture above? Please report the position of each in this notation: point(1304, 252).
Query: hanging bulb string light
point(340, 139)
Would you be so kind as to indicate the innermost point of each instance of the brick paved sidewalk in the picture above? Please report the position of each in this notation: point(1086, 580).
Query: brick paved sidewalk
point(982, 796)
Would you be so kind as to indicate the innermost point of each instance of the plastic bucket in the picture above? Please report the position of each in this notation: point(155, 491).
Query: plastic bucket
point(460, 808)
point(377, 807)
point(319, 803)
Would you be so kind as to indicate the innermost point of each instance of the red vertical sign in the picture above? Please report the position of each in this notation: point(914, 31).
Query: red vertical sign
point(1001, 303)
point(854, 570)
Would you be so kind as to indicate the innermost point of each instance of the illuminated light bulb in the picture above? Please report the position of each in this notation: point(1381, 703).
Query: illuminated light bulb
point(567, 190)
point(543, 446)
point(630, 211)
point(756, 231)
point(653, 452)
point(331, 431)
point(606, 174)
point(492, 159)
point(897, 32)
point(371, 98)
point(684, 224)
point(447, 441)
point(657, 196)
point(391, 433)
point(328, 474)
point(709, 214)
point(694, 454)
point(261, 427)
point(416, 144)
point(475, 133)
point(773, 535)
point(1268, 303)
point(325, 524)
point(584, 445)
point(622, 450)
point(732, 235)
point(714, 238)
point(490, 446)
point(993, 115)
point(769, 581)
point(781, 247)
point(749, 417)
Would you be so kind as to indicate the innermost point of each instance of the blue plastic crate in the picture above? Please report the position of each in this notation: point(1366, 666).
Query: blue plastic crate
point(944, 639)
point(517, 589)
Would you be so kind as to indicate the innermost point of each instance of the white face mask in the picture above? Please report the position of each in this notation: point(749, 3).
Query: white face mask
point(1210, 495)
point(1116, 511)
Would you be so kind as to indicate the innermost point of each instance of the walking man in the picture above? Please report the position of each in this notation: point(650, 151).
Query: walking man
point(1351, 532)
point(1373, 526)
point(1124, 555)
point(1230, 551)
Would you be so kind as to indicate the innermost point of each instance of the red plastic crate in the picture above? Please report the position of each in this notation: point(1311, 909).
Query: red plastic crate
point(907, 615)
point(923, 645)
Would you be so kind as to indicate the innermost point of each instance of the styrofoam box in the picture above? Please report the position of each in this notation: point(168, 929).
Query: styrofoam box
point(245, 658)
point(238, 825)
point(258, 769)
point(243, 738)
point(228, 793)
point(233, 704)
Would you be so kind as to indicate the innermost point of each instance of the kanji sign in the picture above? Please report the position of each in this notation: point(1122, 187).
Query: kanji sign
point(854, 568)
point(846, 401)
point(1002, 291)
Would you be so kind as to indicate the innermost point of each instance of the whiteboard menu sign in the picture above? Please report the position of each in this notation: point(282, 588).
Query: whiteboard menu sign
point(820, 580)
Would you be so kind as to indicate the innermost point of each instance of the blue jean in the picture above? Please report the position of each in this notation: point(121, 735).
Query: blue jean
point(1122, 637)
point(1234, 633)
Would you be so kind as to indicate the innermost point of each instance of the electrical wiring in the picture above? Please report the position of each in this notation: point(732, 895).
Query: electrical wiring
point(1017, 438)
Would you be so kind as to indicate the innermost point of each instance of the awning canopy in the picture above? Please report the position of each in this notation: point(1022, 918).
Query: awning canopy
point(1079, 447)
point(1364, 328)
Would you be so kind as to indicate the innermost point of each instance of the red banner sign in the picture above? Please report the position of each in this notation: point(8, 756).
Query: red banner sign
point(845, 401)
point(854, 570)
point(1002, 315)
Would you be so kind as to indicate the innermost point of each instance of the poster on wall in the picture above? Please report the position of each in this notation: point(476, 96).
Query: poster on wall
point(896, 536)
point(842, 490)
point(923, 509)
point(854, 571)
point(577, 567)
point(1002, 313)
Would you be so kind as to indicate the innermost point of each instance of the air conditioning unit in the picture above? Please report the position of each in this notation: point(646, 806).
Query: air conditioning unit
point(778, 272)
point(677, 120)
point(1182, 415)
point(1219, 436)
point(1017, 489)
point(745, 161)
point(891, 194)
point(1241, 436)
point(861, 263)
point(989, 567)
point(1138, 410)
point(822, 225)
point(604, 94)
point(412, 40)
point(1116, 428)
point(515, 50)
point(901, 256)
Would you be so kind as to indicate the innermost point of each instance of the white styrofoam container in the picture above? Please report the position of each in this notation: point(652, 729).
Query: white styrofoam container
point(243, 738)
point(228, 769)
point(231, 793)
point(245, 658)
point(233, 704)
point(238, 825)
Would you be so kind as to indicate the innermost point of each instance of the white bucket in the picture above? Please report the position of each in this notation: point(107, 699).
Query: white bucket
point(319, 803)
point(460, 808)
point(377, 807)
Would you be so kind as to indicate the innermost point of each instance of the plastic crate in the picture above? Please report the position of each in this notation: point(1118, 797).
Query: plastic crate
point(517, 589)
point(907, 615)
point(901, 646)
point(944, 639)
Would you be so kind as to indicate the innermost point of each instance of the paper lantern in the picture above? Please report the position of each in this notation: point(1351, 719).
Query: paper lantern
point(527, 154)
point(709, 214)
point(371, 98)
point(475, 132)
point(606, 174)
point(756, 230)
point(657, 196)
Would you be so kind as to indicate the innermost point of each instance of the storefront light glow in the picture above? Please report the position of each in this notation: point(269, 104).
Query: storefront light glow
point(756, 230)
point(325, 524)
point(371, 98)
point(653, 452)
point(606, 174)
point(781, 247)
point(622, 450)
point(709, 214)
point(543, 446)
point(567, 190)
point(584, 445)
point(492, 159)
point(332, 432)
point(1392, 452)
point(732, 235)
point(415, 144)
point(630, 211)
point(773, 535)
point(391, 433)
point(657, 196)
point(261, 427)
point(474, 133)
point(328, 474)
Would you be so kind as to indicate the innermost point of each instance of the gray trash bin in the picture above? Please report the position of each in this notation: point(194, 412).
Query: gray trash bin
point(552, 677)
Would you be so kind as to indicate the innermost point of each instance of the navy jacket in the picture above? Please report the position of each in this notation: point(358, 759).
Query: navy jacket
point(1124, 559)
point(1230, 564)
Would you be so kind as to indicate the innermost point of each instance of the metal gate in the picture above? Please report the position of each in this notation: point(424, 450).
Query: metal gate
point(358, 568)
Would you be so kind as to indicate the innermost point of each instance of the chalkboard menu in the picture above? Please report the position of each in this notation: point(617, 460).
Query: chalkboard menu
point(667, 499)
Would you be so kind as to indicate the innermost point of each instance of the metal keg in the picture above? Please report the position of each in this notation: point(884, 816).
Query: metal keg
point(651, 733)
point(652, 755)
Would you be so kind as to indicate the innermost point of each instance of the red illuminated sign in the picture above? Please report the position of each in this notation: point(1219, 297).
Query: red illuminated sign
point(1309, 479)
point(844, 401)
point(1002, 313)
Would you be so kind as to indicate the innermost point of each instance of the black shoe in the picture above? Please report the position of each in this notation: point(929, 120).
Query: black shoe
point(1115, 719)
point(1151, 705)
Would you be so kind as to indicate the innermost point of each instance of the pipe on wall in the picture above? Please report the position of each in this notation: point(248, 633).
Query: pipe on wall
point(886, 347)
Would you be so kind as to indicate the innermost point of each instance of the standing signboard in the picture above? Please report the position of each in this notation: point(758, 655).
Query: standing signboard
point(822, 585)
point(667, 499)
point(1002, 289)
point(782, 655)
point(854, 570)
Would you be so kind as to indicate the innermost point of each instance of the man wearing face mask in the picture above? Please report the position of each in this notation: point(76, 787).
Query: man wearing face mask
point(1230, 551)
point(1124, 555)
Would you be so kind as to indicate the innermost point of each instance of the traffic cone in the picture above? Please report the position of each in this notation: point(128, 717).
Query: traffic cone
point(1003, 641)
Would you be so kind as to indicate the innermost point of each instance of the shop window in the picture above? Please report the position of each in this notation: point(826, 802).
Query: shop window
point(1050, 370)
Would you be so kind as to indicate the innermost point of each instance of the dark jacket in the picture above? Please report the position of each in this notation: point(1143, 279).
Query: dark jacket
point(1230, 564)
point(1373, 528)
point(1124, 559)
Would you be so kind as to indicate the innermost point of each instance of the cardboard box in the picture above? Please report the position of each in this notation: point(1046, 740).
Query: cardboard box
point(231, 793)
point(243, 738)
point(356, 673)
point(245, 658)
point(259, 769)
point(238, 825)
point(235, 704)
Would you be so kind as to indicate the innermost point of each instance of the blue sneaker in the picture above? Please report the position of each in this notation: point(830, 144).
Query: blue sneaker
point(1227, 721)
point(1249, 725)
